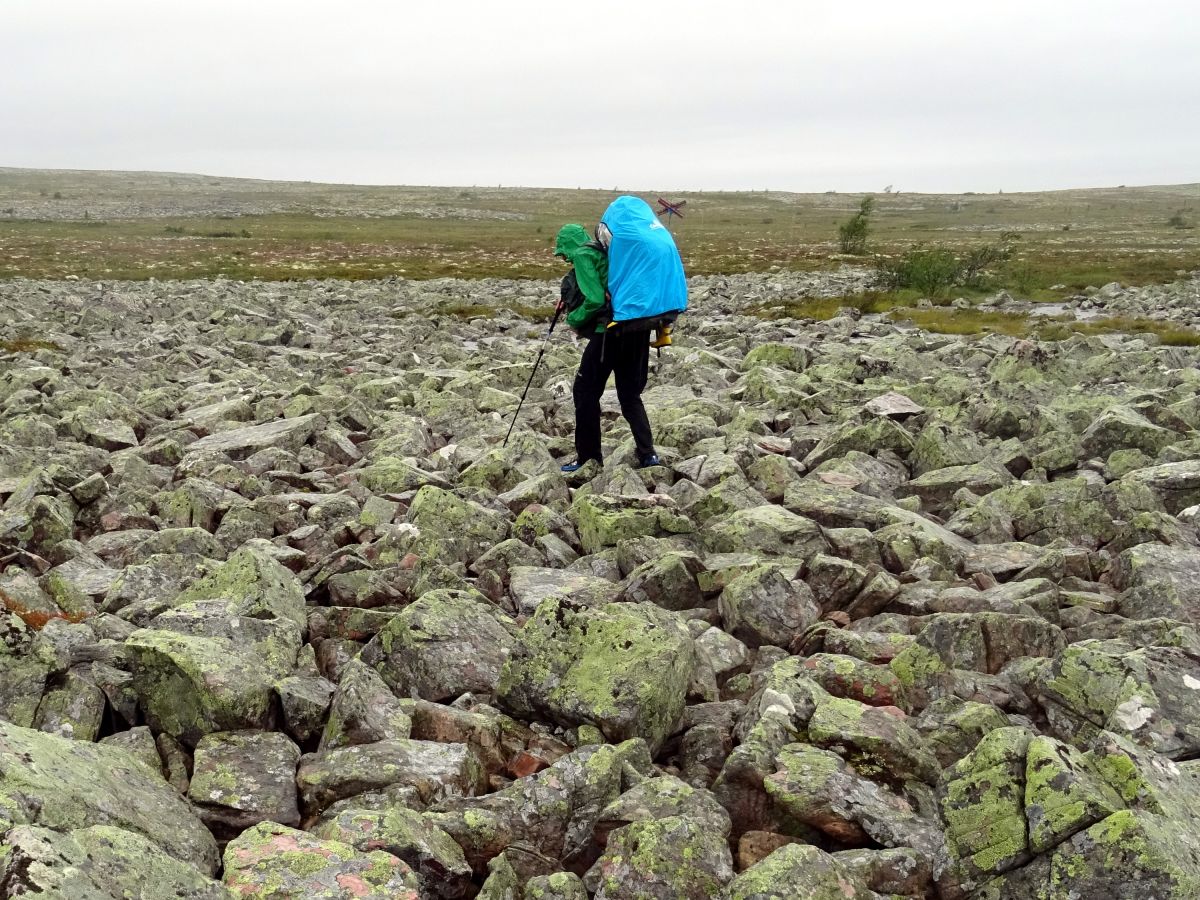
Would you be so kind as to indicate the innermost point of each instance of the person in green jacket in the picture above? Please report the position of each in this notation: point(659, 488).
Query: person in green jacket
point(609, 352)
point(590, 263)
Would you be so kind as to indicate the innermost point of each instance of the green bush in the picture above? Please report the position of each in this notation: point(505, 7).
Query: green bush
point(852, 234)
point(934, 270)
point(979, 259)
point(930, 270)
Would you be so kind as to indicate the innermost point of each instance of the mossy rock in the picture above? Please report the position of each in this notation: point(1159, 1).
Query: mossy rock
point(623, 667)
point(604, 521)
point(452, 528)
point(984, 805)
point(52, 782)
point(407, 835)
point(672, 857)
point(276, 861)
point(255, 585)
point(766, 529)
point(798, 872)
point(97, 862)
point(443, 645)
point(191, 686)
point(1063, 793)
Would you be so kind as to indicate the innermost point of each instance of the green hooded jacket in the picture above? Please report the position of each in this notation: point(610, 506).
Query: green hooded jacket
point(591, 272)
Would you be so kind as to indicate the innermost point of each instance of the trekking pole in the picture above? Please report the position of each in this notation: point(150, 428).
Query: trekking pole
point(537, 362)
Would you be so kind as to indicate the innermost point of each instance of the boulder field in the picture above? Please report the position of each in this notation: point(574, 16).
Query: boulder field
point(900, 615)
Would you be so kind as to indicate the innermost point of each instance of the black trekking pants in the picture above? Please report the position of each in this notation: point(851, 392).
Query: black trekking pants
point(628, 357)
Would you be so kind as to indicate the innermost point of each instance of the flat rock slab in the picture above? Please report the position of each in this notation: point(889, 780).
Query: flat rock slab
point(893, 406)
point(435, 770)
point(284, 434)
point(530, 585)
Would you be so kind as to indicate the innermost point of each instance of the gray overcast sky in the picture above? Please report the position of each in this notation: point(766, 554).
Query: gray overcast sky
point(929, 95)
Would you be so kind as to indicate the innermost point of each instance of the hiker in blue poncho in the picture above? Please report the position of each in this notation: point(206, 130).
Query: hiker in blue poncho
point(622, 285)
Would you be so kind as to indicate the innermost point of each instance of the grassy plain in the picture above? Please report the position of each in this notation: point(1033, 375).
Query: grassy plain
point(123, 225)
point(154, 225)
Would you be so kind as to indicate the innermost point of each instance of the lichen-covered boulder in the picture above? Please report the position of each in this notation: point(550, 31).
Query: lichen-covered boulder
point(254, 585)
point(938, 487)
point(799, 872)
point(604, 521)
point(673, 857)
point(765, 529)
point(304, 704)
point(764, 607)
point(902, 872)
point(854, 679)
point(271, 860)
point(1176, 485)
point(139, 743)
point(23, 675)
point(363, 710)
point(1064, 793)
point(559, 886)
point(392, 475)
point(407, 835)
point(239, 443)
point(533, 585)
point(435, 770)
point(1071, 510)
point(1146, 693)
point(878, 434)
point(96, 863)
point(555, 810)
point(452, 528)
point(243, 778)
point(730, 494)
point(877, 742)
point(1130, 855)
point(979, 642)
point(668, 581)
point(52, 782)
point(74, 708)
point(1121, 428)
point(659, 798)
point(818, 788)
point(445, 644)
point(1158, 580)
point(952, 727)
point(192, 686)
point(834, 506)
point(984, 806)
point(623, 667)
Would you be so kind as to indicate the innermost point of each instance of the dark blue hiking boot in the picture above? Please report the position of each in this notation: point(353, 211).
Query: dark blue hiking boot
point(574, 467)
point(647, 461)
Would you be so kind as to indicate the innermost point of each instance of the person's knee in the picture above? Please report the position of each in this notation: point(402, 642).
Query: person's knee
point(629, 393)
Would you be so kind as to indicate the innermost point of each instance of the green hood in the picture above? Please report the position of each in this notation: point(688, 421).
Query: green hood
point(570, 239)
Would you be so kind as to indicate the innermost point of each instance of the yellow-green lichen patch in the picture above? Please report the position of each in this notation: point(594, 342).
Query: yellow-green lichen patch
point(983, 804)
point(1063, 795)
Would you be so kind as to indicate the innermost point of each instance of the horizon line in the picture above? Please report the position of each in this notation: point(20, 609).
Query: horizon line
point(676, 190)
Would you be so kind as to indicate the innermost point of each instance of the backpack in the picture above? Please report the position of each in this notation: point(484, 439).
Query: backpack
point(645, 274)
point(569, 291)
